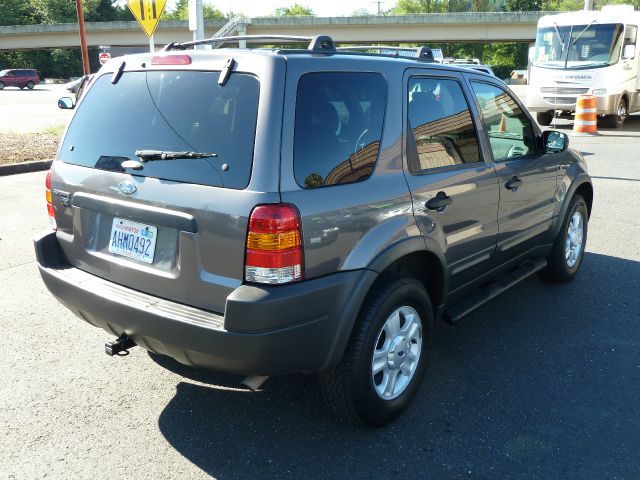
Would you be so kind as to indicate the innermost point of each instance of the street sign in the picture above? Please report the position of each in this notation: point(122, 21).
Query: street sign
point(147, 13)
point(104, 57)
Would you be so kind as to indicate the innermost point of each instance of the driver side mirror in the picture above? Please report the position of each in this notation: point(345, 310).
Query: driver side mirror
point(629, 51)
point(66, 103)
point(555, 142)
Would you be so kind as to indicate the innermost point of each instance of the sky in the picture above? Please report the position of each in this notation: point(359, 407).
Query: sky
point(321, 8)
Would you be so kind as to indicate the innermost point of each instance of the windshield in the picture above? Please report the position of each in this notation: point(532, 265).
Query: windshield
point(174, 111)
point(578, 46)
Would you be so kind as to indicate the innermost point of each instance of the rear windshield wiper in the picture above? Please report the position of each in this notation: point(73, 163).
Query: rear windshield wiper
point(149, 155)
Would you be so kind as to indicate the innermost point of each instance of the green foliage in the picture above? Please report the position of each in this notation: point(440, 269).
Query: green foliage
point(30, 12)
point(295, 9)
point(181, 12)
point(523, 5)
point(57, 63)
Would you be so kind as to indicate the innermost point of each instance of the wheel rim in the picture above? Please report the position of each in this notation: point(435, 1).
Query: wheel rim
point(575, 236)
point(396, 353)
point(622, 111)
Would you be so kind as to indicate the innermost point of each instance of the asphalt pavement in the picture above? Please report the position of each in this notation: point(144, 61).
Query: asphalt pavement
point(541, 383)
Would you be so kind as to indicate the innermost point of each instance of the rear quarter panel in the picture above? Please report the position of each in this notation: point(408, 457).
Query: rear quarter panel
point(346, 226)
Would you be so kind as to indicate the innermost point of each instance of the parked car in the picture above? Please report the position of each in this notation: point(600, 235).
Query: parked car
point(268, 211)
point(19, 77)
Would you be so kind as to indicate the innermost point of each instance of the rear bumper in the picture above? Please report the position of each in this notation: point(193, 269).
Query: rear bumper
point(302, 327)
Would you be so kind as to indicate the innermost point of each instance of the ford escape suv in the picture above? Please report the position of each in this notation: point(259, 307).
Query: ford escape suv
point(267, 211)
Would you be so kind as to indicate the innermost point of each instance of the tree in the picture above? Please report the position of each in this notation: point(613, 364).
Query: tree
point(181, 12)
point(295, 9)
point(360, 12)
point(523, 5)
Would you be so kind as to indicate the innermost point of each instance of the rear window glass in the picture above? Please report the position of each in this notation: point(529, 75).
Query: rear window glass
point(338, 127)
point(176, 111)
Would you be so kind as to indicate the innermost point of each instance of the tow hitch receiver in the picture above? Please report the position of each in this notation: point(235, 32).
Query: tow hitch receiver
point(120, 344)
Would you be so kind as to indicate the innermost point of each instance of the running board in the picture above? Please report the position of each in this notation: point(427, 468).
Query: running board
point(492, 290)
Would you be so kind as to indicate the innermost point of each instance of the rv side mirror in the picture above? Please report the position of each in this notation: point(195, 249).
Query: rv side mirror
point(629, 51)
point(555, 142)
point(65, 103)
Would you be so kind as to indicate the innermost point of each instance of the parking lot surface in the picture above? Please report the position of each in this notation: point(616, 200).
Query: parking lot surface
point(542, 382)
point(34, 110)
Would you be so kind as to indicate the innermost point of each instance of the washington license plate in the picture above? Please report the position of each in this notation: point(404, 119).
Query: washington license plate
point(133, 240)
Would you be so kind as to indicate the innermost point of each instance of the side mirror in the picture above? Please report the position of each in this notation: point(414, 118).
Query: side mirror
point(555, 142)
point(66, 103)
point(629, 51)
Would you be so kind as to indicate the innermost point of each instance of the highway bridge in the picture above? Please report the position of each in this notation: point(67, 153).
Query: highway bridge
point(416, 28)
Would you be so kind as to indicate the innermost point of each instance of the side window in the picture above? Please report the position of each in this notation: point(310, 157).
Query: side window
point(440, 124)
point(338, 127)
point(630, 36)
point(509, 128)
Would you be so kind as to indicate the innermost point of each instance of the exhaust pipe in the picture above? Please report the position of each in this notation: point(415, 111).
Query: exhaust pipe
point(119, 345)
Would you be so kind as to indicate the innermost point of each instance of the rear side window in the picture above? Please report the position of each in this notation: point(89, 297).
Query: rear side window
point(442, 133)
point(338, 127)
point(168, 111)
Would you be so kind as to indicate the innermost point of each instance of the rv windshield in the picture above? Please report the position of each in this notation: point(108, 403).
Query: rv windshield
point(578, 46)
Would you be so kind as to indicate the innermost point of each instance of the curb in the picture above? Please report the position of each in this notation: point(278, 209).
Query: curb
point(25, 167)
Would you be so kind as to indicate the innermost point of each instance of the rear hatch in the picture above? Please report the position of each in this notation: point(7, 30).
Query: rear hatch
point(158, 222)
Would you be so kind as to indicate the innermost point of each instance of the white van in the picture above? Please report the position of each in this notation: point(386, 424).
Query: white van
point(586, 52)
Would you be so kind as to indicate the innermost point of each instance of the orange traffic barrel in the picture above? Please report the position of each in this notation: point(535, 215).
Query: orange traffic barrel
point(586, 118)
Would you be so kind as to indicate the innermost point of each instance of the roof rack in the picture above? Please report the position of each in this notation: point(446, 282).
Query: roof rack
point(423, 53)
point(318, 43)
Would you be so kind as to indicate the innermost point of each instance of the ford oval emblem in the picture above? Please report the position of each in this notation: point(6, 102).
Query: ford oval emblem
point(127, 188)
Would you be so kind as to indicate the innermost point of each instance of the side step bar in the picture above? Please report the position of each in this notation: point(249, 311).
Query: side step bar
point(492, 290)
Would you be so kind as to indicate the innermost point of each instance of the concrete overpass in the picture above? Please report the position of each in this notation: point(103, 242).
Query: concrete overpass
point(418, 28)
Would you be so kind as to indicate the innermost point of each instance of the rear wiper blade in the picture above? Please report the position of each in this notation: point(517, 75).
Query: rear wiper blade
point(149, 155)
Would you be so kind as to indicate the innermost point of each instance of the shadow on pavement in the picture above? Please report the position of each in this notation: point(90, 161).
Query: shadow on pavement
point(542, 380)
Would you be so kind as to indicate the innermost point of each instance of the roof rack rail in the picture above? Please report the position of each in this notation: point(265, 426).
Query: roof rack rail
point(423, 53)
point(318, 43)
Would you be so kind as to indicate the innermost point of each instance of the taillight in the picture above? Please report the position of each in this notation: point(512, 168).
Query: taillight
point(171, 60)
point(47, 185)
point(274, 245)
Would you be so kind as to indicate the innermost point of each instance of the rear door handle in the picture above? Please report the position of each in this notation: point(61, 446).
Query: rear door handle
point(514, 183)
point(439, 202)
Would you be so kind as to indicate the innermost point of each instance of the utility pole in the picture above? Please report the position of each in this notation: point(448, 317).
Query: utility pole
point(588, 4)
point(83, 38)
point(196, 20)
point(379, 3)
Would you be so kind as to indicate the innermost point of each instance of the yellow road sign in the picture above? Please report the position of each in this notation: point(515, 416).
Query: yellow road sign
point(147, 13)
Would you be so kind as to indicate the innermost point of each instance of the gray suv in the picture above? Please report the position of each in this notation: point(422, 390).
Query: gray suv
point(268, 211)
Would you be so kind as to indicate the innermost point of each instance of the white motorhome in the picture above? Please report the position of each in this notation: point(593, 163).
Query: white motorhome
point(586, 52)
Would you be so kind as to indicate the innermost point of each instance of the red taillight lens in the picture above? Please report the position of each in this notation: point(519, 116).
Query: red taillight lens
point(274, 245)
point(50, 212)
point(171, 60)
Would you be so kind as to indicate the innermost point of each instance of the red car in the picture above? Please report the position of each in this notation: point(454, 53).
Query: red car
point(19, 77)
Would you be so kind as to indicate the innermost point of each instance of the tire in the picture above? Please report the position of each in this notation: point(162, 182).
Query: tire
point(544, 118)
point(30, 85)
point(1, 85)
point(617, 119)
point(565, 258)
point(352, 390)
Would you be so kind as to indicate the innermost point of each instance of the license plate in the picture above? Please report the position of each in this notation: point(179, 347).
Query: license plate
point(133, 240)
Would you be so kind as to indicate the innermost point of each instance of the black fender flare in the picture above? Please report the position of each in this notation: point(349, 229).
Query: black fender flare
point(407, 246)
point(579, 181)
